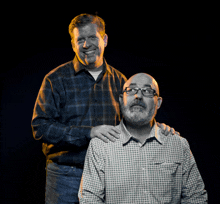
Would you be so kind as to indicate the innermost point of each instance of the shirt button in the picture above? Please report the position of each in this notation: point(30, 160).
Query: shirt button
point(143, 169)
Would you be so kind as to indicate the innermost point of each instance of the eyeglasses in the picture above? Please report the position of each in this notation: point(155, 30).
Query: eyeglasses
point(147, 91)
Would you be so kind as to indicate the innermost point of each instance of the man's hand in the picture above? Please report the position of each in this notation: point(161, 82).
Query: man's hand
point(165, 129)
point(105, 133)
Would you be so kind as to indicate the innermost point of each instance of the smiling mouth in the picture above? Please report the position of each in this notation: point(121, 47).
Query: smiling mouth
point(89, 52)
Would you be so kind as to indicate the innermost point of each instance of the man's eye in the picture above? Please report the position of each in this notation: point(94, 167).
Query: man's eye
point(92, 37)
point(147, 90)
point(80, 40)
point(132, 90)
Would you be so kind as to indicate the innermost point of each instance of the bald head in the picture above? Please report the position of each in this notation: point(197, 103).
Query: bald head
point(139, 109)
point(141, 80)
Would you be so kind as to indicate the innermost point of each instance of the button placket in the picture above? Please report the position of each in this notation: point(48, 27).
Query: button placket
point(144, 172)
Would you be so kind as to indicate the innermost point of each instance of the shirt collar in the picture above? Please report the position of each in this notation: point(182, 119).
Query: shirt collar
point(79, 66)
point(155, 133)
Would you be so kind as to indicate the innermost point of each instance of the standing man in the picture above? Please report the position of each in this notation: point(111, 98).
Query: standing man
point(77, 101)
point(143, 166)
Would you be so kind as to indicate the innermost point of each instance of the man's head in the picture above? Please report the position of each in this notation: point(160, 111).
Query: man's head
point(88, 39)
point(139, 107)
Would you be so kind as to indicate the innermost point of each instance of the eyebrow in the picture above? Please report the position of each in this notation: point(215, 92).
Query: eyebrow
point(82, 37)
point(146, 85)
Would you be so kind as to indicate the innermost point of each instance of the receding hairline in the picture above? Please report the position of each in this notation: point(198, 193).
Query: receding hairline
point(85, 19)
point(153, 81)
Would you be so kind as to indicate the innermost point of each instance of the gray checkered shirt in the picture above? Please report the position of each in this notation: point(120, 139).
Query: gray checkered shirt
point(162, 170)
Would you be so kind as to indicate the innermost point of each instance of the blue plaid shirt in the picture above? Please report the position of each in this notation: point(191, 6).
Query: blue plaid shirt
point(70, 102)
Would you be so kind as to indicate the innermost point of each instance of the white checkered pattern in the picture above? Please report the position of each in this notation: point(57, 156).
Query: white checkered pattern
point(162, 170)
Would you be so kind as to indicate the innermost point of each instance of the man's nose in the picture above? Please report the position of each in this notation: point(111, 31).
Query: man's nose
point(139, 94)
point(87, 43)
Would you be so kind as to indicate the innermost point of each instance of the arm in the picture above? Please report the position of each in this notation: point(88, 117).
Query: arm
point(193, 186)
point(45, 122)
point(92, 187)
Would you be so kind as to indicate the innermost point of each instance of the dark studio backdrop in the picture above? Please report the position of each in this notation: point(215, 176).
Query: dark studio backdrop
point(176, 44)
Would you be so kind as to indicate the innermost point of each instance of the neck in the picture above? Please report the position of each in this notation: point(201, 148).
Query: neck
point(94, 68)
point(140, 132)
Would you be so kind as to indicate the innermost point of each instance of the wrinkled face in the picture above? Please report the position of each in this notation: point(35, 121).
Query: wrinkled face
point(137, 109)
point(88, 45)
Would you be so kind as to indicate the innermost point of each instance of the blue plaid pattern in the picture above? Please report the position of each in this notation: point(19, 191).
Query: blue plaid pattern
point(70, 102)
point(162, 170)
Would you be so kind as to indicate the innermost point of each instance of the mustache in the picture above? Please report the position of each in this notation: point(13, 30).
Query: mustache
point(139, 103)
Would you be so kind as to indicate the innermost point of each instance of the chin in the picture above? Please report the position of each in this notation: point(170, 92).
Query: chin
point(136, 120)
point(91, 59)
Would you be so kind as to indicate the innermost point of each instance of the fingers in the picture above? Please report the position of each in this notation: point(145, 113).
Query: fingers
point(166, 129)
point(102, 137)
point(114, 132)
point(162, 127)
point(105, 133)
point(172, 131)
point(109, 136)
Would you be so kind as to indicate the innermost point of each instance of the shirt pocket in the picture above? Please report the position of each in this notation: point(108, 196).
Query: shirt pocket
point(163, 177)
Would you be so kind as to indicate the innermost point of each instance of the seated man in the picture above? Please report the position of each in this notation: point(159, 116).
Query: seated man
point(143, 166)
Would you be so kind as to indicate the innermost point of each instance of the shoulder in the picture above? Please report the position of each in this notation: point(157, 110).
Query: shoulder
point(176, 138)
point(60, 71)
point(117, 73)
point(98, 145)
point(177, 142)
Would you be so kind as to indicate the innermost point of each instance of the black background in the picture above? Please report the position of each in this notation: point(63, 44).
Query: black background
point(176, 44)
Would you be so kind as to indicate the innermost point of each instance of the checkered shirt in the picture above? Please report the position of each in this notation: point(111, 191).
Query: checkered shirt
point(162, 170)
point(70, 102)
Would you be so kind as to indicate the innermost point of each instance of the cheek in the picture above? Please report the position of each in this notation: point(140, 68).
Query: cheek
point(100, 45)
point(75, 47)
point(150, 105)
point(127, 100)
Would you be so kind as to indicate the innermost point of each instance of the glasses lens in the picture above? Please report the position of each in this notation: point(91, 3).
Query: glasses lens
point(148, 92)
point(145, 91)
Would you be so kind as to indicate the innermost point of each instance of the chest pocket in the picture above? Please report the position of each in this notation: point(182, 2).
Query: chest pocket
point(166, 166)
point(164, 176)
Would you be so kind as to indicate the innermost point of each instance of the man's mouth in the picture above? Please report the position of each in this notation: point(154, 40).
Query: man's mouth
point(137, 108)
point(138, 105)
point(89, 52)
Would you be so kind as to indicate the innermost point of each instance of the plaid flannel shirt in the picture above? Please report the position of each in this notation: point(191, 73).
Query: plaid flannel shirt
point(162, 170)
point(70, 102)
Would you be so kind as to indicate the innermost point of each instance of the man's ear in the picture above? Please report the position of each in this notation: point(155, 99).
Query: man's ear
point(105, 40)
point(159, 102)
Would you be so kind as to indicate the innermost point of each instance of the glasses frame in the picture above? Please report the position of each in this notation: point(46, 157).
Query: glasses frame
point(137, 89)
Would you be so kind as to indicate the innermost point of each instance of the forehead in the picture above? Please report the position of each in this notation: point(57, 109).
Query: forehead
point(140, 81)
point(89, 29)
